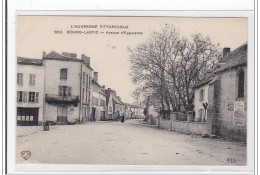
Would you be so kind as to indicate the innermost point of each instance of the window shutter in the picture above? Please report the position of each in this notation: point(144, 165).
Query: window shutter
point(21, 78)
point(37, 97)
point(69, 91)
point(60, 90)
point(24, 97)
point(18, 95)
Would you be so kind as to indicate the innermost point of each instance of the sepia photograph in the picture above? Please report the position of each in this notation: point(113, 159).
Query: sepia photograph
point(131, 90)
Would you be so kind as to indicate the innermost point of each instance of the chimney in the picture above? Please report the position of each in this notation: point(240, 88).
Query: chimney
point(88, 61)
point(226, 50)
point(72, 55)
point(65, 54)
point(43, 54)
point(96, 77)
point(103, 87)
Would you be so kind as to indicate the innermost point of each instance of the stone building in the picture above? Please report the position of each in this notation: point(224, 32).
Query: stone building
point(30, 91)
point(67, 88)
point(227, 108)
point(222, 96)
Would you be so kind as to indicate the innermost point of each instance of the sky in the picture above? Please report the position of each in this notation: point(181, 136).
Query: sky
point(108, 52)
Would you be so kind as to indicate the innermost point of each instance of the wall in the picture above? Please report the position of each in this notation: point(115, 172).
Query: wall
point(185, 127)
point(38, 87)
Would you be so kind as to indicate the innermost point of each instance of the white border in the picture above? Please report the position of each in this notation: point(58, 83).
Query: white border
point(67, 169)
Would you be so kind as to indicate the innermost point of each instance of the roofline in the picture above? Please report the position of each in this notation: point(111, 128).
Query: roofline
point(230, 67)
point(202, 84)
point(32, 64)
point(93, 81)
point(63, 59)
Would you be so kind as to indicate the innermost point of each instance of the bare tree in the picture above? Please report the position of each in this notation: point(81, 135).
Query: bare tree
point(166, 67)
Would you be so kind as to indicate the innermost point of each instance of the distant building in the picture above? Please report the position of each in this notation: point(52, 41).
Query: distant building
point(30, 91)
point(137, 110)
point(115, 106)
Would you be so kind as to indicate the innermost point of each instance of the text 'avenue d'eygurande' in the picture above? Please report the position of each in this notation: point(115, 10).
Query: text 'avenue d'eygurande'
point(98, 29)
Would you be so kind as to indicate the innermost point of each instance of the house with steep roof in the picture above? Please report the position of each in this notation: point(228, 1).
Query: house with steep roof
point(30, 91)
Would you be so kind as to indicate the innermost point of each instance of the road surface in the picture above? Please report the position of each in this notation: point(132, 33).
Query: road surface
point(128, 143)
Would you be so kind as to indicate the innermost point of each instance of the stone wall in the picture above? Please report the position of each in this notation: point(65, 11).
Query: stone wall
point(185, 127)
point(197, 128)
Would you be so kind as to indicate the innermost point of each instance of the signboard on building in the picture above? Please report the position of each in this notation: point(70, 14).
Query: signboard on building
point(231, 106)
point(239, 116)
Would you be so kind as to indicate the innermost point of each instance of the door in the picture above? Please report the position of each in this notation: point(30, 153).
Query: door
point(93, 114)
point(27, 116)
point(62, 114)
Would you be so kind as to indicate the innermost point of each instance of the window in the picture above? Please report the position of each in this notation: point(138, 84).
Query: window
point(63, 74)
point(241, 83)
point(87, 82)
point(64, 91)
point(32, 79)
point(202, 95)
point(31, 97)
point(19, 78)
point(19, 96)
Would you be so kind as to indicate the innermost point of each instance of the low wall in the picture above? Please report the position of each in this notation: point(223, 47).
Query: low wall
point(190, 127)
point(185, 127)
point(165, 124)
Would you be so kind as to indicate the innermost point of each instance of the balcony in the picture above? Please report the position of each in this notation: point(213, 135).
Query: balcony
point(65, 100)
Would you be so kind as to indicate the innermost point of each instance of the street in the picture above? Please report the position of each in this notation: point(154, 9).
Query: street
point(129, 143)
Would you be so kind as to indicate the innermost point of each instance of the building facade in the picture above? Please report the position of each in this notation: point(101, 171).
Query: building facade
point(137, 110)
point(201, 93)
point(86, 89)
point(67, 88)
point(30, 91)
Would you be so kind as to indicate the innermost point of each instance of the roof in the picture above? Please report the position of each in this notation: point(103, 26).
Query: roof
point(205, 81)
point(235, 58)
point(135, 105)
point(96, 83)
point(232, 59)
point(29, 61)
point(56, 56)
point(53, 55)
